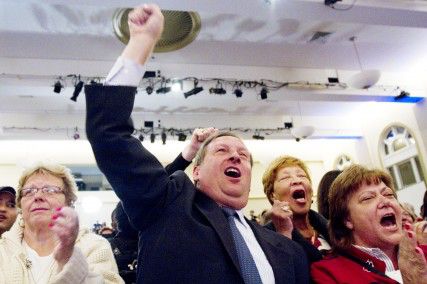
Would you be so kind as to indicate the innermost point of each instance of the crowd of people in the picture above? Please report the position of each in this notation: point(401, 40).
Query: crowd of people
point(171, 229)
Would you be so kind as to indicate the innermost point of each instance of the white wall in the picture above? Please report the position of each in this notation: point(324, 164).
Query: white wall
point(318, 153)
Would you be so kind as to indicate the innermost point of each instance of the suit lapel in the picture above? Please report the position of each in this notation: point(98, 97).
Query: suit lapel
point(277, 256)
point(216, 218)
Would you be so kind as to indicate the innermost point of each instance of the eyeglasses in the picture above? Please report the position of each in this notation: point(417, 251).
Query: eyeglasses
point(49, 190)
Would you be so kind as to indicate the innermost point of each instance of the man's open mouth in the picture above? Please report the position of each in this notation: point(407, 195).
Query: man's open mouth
point(232, 172)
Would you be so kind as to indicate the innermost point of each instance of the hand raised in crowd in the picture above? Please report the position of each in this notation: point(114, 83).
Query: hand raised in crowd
point(65, 224)
point(412, 261)
point(145, 28)
point(420, 229)
point(198, 137)
point(281, 216)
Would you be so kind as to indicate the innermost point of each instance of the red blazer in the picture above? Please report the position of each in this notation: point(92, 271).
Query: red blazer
point(340, 269)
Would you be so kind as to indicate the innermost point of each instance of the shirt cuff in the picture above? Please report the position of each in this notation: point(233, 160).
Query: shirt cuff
point(125, 72)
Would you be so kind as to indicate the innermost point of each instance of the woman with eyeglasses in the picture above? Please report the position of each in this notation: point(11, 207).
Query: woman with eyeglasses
point(45, 245)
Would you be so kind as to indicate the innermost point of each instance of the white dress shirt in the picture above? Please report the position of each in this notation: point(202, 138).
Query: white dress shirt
point(264, 268)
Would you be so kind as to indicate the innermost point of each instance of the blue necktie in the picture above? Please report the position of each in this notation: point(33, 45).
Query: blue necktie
point(247, 264)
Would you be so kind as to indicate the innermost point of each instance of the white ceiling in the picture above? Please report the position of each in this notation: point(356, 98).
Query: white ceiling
point(239, 39)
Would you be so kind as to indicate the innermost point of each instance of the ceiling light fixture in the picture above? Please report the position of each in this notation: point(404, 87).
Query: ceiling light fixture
point(77, 89)
point(149, 89)
point(76, 134)
point(57, 87)
point(402, 95)
point(182, 137)
point(177, 86)
point(163, 136)
point(218, 90)
point(193, 91)
point(163, 88)
point(365, 78)
point(264, 93)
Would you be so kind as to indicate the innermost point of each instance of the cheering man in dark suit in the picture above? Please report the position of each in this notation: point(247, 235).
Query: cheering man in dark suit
point(185, 236)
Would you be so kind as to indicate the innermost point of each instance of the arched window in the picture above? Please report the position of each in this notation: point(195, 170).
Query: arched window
point(400, 156)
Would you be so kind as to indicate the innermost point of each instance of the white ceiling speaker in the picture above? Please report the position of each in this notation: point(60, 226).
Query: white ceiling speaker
point(302, 132)
point(365, 78)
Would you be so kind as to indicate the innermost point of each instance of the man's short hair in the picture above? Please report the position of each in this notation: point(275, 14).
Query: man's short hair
point(202, 151)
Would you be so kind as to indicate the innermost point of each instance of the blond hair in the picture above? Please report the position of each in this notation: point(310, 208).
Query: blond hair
point(56, 170)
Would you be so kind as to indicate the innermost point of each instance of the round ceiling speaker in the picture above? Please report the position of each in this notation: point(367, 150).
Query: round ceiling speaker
point(365, 79)
point(180, 28)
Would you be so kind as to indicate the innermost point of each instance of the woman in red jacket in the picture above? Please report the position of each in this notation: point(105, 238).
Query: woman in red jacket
point(365, 230)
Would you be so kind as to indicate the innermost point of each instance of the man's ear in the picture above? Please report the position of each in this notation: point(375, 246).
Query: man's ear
point(196, 172)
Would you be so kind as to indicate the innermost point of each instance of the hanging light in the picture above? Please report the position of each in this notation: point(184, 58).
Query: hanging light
point(193, 91)
point(77, 89)
point(57, 87)
point(163, 88)
point(365, 78)
point(218, 90)
point(264, 93)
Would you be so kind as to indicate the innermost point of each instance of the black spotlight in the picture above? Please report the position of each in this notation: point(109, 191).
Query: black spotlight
point(163, 90)
point(163, 136)
point(288, 125)
point(331, 2)
point(182, 137)
point(77, 90)
point(194, 91)
point(57, 87)
point(217, 91)
point(76, 134)
point(149, 90)
point(152, 137)
point(238, 93)
point(258, 137)
point(141, 137)
point(264, 93)
point(401, 96)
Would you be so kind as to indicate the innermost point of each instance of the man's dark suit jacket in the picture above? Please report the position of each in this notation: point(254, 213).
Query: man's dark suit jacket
point(184, 236)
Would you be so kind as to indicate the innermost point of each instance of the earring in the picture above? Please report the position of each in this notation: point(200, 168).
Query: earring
point(21, 222)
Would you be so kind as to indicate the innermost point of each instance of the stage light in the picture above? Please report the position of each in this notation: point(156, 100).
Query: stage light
point(264, 93)
point(76, 134)
point(193, 91)
point(141, 137)
point(163, 90)
point(218, 90)
point(163, 136)
point(182, 137)
point(149, 90)
point(238, 93)
point(57, 87)
point(176, 86)
point(152, 137)
point(77, 90)
point(258, 137)
point(288, 125)
point(401, 96)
